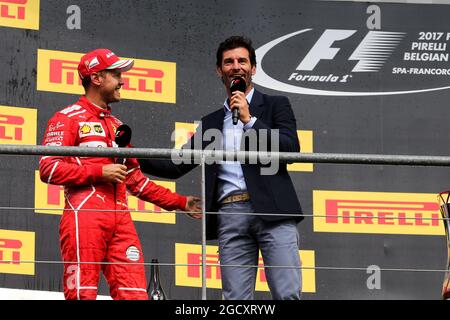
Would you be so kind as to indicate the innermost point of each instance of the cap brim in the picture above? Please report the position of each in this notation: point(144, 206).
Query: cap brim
point(122, 65)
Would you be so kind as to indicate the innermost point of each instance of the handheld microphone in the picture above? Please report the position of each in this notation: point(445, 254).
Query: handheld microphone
point(122, 138)
point(237, 84)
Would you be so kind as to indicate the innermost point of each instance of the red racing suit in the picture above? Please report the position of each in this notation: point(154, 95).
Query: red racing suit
point(98, 236)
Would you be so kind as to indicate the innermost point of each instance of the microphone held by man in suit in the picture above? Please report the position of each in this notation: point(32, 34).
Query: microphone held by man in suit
point(237, 84)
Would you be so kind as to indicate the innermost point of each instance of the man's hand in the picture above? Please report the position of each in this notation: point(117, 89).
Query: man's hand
point(193, 207)
point(238, 100)
point(114, 173)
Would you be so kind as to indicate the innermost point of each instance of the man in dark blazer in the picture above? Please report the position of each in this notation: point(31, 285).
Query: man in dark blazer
point(240, 191)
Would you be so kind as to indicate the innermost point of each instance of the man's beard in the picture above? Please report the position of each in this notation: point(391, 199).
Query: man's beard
point(111, 97)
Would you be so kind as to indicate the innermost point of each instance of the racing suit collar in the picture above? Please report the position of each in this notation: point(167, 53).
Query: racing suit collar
point(93, 108)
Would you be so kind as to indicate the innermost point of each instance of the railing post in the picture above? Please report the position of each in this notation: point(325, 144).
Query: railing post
point(203, 229)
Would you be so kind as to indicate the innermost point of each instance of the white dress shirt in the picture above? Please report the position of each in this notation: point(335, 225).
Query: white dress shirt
point(230, 176)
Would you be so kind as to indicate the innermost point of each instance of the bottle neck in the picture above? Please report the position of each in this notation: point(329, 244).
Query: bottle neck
point(154, 276)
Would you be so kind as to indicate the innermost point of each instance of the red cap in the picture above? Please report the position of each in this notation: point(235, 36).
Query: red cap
point(101, 59)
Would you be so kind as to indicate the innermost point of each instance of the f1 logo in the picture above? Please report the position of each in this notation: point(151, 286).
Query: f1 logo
point(322, 49)
point(383, 42)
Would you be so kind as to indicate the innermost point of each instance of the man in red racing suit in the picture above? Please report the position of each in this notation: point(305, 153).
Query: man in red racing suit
point(96, 230)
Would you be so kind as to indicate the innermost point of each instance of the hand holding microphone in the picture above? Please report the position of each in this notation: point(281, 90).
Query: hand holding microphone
point(237, 84)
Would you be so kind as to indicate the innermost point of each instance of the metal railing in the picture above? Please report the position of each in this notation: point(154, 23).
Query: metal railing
point(371, 159)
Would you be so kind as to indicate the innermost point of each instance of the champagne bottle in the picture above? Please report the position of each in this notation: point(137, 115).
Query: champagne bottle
point(155, 290)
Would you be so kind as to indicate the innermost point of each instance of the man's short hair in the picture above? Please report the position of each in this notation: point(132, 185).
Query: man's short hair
point(234, 42)
point(86, 81)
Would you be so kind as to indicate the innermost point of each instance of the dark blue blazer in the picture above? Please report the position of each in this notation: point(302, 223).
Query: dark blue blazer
point(268, 193)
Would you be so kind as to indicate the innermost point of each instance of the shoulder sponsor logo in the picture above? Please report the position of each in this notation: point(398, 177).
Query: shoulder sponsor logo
point(340, 62)
point(22, 14)
point(98, 128)
point(190, 275)
point(17, 252)
point(91, 129)
point(184, 131)
point(149, 80)
point(85, 129)
point(18, 125)
point(377, 212)
point(49, 199)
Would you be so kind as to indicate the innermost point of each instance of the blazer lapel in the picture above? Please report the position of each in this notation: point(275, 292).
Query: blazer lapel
point(216, 121)
point(256, 104)
point(213, 121)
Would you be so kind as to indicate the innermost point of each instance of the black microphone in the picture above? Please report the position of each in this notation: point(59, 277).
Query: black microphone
point(237, 84)
point(122, 139)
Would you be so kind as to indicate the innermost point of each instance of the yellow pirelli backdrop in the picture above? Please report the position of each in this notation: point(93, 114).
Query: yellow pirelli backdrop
point(306, 146)
point(49, 199)
point(376, 212)
point(22, 14)
point(190, 275)
point(184, 130)
point(148, 80)
point(18, 125)
point(17, 252)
